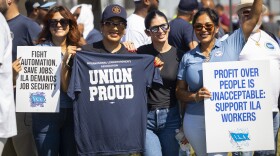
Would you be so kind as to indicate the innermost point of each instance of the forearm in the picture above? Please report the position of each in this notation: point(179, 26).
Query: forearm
point(65, 75)
point(185, 96)
point(256, 9)
point(254, 16)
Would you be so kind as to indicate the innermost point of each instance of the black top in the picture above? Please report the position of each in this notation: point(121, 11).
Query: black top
point(163, 96)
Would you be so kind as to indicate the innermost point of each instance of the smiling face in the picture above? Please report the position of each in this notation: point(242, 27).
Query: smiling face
point(113, 29)
point(205, 29)
point(159, 29)
point(58, 26)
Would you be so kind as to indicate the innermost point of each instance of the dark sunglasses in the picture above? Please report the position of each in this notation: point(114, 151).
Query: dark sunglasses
point(63, 22)
point(207, 26)
point(245, 12)
point(115, 24)
point(155, 29)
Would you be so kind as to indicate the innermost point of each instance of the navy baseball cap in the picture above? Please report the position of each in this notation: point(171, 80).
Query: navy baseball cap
point(188, 5)
point(114, 10)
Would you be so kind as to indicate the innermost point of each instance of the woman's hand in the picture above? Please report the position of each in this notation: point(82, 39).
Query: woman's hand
point(16, 66)
point(201, 94)
point(130, 46)
point(71, 50)
point(158, 63)
point(16, 69)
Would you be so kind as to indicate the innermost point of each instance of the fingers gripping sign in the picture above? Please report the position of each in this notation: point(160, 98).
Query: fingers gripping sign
point(201, 94)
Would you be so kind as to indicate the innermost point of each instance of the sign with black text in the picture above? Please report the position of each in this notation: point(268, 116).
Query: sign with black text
point(38, 83)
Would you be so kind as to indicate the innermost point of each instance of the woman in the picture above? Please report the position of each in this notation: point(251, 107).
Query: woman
point(54, 132)
point(162, 102)
point(112, 28)
point(190, 87)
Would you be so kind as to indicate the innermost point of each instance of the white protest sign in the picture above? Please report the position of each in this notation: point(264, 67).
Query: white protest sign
point(38, 83)
point(238, 116)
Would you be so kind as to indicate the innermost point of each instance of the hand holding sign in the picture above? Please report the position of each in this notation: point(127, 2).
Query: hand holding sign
point(201, 94)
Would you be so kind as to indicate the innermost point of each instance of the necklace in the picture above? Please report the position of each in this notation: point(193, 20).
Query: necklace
point(257, 41)
point(207, 58)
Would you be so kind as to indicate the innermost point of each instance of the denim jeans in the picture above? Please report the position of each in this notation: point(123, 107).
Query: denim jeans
point(54, 133)
point(160, 135)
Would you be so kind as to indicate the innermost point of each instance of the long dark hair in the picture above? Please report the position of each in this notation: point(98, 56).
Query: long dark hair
point(74, 37)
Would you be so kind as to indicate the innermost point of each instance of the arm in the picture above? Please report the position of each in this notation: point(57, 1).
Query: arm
point(184, 95)
point(249, 24)
point(65, 69)
point(129, 46)
point(136, 37)
point(16, 69)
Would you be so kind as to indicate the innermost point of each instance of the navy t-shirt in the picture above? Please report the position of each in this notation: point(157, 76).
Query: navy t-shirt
point(110, 101)
point(94, 36)
point(25, 32)
point(181, 34)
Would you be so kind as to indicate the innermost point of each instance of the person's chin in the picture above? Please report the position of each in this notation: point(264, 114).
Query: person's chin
point(114, 39)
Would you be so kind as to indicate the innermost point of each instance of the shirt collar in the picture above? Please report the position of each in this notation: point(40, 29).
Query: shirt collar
point(196, 50)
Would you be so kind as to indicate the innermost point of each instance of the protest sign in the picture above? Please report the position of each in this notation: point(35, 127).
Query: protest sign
point(38, 83)
point(238, 116)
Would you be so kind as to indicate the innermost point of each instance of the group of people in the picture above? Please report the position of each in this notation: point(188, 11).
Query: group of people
point(177, 48)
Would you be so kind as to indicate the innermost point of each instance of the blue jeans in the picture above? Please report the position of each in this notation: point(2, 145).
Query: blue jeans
point(54, 133)
point(160, 135)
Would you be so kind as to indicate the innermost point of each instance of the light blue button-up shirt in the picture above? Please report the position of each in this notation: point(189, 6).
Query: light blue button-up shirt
point(190, 69)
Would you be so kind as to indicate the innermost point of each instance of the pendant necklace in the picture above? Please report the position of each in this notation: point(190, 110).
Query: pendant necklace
point(257, 41)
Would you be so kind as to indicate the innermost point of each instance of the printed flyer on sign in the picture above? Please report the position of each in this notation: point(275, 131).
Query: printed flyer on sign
point(38, 83)
point(238, 116)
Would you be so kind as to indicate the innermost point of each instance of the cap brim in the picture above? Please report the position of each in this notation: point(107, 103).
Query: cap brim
point(114, 16)
point(47, 5)
point(264, 8)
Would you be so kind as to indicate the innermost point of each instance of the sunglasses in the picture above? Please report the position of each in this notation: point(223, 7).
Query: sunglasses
point(207, 26)
point(245, 12)
point(155, 29)
point(63, 22)
point(115, 24)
